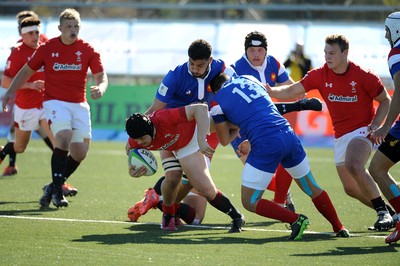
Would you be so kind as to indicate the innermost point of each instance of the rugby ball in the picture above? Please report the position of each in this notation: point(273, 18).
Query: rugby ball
point(139, 157)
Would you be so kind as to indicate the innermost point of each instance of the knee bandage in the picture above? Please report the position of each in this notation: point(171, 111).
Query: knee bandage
point(59, 126)
point(80, 136)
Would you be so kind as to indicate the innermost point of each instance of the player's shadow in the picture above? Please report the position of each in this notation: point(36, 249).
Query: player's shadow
point(147, 233)
point(20, 212)
point(343, 251)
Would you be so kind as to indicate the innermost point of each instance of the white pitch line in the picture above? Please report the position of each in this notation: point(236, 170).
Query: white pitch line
point(188, 225)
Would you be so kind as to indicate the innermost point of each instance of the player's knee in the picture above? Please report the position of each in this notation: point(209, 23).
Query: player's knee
point(207, 193)
point(350, 191)
point(172, 178)
point(354, 167)
point(248, 205)
point(376, 172)
point(19, 148)
point(79, 150)
point(79, 156)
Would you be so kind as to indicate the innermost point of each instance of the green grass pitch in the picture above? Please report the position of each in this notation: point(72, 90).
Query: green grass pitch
point(94, 229)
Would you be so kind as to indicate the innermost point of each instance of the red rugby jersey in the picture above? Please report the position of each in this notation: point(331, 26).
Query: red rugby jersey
point(24, 98)
point(348, 96)
point(66, 68)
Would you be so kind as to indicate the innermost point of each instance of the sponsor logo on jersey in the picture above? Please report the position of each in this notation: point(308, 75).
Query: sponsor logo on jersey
point(58, 67)
point(353, 86)
point(170, 143)
point(273, 77)
point(162, 90)
point(78, 56)
point(341, 98)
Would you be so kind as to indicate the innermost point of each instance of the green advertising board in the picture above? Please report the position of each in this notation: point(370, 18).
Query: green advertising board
point(119, 101)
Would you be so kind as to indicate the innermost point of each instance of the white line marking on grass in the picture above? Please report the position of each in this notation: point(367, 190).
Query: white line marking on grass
point(122, 152)
point(188, 225)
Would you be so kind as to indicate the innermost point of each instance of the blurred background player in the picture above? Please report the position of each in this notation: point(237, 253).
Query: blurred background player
point(65, 103)
point(298, 63)
point(349, 92)
point(388, 135)
point(28, 108)
point(12, 169)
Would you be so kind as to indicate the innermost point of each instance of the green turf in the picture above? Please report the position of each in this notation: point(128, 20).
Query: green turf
point(94, 228)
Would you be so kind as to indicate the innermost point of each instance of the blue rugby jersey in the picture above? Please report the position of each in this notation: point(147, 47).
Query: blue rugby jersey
point(244, 102)
point(270, 72)
point(394, 67)
point(180, 88)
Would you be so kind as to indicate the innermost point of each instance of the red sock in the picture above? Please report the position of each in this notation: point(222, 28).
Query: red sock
point(171, 210)
point(272, 210)
point(283, 182)
point(395, 202)
point(324, 205)
point(272, 184)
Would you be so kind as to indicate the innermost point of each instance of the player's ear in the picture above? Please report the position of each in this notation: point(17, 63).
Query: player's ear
point(59, 27)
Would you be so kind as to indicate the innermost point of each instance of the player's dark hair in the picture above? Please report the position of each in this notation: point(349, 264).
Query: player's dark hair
point(139, 125)
point(255, 39)
point(338, 39)
point(199, 50)
point(30, 21)
point(218, 81)
point(26, 13)
point(22, 15)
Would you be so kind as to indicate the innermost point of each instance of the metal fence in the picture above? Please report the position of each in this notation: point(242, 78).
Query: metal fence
point(241, 10)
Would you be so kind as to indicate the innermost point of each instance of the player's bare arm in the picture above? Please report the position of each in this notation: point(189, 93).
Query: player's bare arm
point(19, 80)
point(384, 102)
point(157, 105)
point(394, 110)
point(226, 132)
point(36, 85)
point(295, 90)
point(200, 113)
point(98, 90)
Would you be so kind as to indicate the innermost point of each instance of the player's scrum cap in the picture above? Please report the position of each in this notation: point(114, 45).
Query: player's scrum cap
point(392, 23)
point(139, 125)
point(256, 39)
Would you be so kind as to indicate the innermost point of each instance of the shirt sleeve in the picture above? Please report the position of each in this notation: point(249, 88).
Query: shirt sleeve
point(95, 63)
point(13, 65)
point(373, 84)
point(167, 87)
point(309, 81)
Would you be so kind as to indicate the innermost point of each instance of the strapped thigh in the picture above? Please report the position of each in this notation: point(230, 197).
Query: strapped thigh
point(171, 164)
